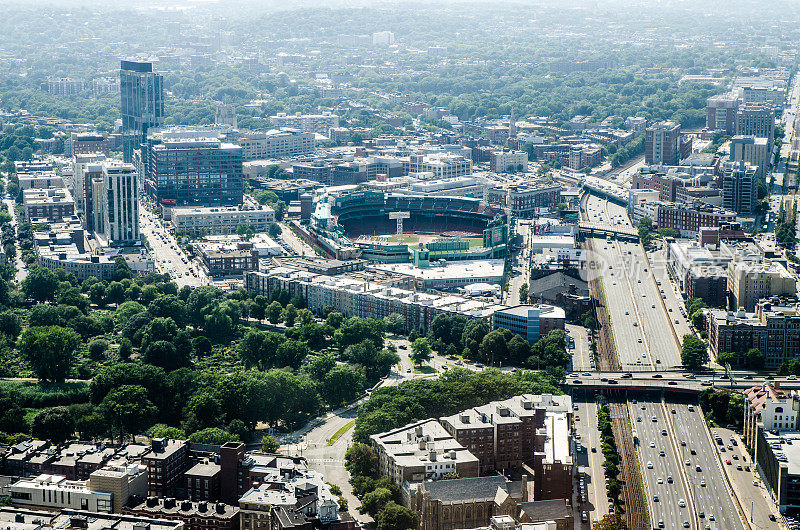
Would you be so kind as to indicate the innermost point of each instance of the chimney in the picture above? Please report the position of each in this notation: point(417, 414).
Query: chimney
point(524, 488)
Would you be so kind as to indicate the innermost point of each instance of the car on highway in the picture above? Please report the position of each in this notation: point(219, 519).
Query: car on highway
point(649, 465)
point(702, 483)
point(682, 503)
point(669, 479)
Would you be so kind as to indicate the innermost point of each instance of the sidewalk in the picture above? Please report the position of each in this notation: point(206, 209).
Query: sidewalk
point(754, 500)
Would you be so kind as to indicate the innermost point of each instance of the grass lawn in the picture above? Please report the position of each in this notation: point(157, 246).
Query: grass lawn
point(424, 369)
point(338, 434)
point(407, 238)
point(474, 241)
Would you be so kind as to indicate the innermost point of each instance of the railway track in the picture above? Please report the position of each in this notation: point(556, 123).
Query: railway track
point(636, 514)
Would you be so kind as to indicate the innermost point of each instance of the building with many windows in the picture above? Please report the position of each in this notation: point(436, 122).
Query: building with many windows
point(721, 112)
point(116, 205)
point(770, 408)
point(166, 463)
point(756, 120)
point(774, 328)
point(531, 321)
point(276, 143)
point(739, 187)
point(141, 103)
point(221, 219)
point(313, 123)
point(191, 171)
point(52, 204)
point(662, 143)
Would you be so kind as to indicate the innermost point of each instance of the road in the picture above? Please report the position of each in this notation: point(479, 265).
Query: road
point(297, 245)
point(663, 497)
point(586, 428)
point(169, 257)
point(753, 496)
point(643, 331)
point(714, 498)
point(22, 269)
point(581, 354)
point(674, 380)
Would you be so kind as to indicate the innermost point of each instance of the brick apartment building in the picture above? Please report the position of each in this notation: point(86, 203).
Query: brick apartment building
point(166, 464)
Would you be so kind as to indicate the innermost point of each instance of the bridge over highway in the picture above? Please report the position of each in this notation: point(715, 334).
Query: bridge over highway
point(623, 233)
point(670, 381)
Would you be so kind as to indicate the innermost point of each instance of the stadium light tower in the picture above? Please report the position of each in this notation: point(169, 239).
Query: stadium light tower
point(399, 216)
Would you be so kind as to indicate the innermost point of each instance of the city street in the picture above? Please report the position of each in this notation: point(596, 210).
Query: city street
point(168, 256)
point(22, 269)
point(581, 354)
point(585, 424)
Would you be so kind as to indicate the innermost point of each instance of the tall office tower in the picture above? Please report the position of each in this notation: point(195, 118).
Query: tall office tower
point(141, 103)
point(752, 150)
point(119, 211)
point(756, 120)
point(85, 169)
point(192, 171)
point(739, 187)
point(721, 112)
point(662, 144)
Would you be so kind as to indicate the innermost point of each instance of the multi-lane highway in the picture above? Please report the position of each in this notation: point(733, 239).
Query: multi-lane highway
point(643, 331)
point(647, 322)
point(664, 481)
point(708, 487)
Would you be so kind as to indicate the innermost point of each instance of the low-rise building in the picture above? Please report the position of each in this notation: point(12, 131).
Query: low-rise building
point(201, 515)
point(531, 321)
point(770, 408)
point(221, 219)
point(166, 463)
point(749, 282)
point(508, 161)
point(687, 219)
point(222, 259)
point(778, 459)
point(43, 180)
point(422, 451)
point(53, 204)
point(275, 143)
point(28, 519)
point(203, 481)
point(55, 491)
point(524, 201)
point(774, 329)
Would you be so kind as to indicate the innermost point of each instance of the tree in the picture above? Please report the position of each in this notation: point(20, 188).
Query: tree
point(754, 359)
point(334, 319)
point(361, 460)
point(374, 501)
point(127, 410)
point(125, 349)
point(156, 329)
point(523, 293)
point(611, 521)
point(341, 385)
point(274, 230)
point(213, 436)
point(518, 350)
point(290, 353)
point(161, 430)
point(73, 296)
point(667, 232)
point(420, 351)
point(41, 285)
point(201, 346)
point(645, 230)
point(169, 305)
point(289, 315)
point(162, 353)
point(493, 348)
point(97, 348)
point(274, 311)
point(694, 352)
point(50, 351)
point(97, 294)
point(396, 517)
point(115, 293)
point(269, 445)
point(474, 332)
point(10, 324)
point(55, 424)
point(121, 269)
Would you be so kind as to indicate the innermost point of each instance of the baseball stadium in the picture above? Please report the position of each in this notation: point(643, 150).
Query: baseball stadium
point(458, 227)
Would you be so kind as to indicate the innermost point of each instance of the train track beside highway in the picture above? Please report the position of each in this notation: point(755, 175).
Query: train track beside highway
point(636, 513)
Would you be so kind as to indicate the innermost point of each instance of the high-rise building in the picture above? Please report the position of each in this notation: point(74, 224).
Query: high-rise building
point(141, 103)
point(662, 143)
point(85, 169)
point(721, 112)
point(191, 171)
point(753, 151)
point(739, 187)
point(119, 209)
point(756, 120)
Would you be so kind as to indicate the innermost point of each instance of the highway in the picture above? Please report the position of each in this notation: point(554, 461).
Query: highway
point(643, 332)
point(714, 498)
point(646, 315)
point(657, 471)
point(586, 428)
point(672, 380)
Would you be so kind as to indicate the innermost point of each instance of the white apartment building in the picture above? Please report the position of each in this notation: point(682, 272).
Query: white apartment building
point(221, 219)
point(441, 165)
point(314, 123)
point(775, 409)
point(501, 161)
point(55, 491)
point(119, 204)
point(40, 181)
point(276, 143)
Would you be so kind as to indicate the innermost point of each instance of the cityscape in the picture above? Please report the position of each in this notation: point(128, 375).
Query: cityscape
point(385, 265)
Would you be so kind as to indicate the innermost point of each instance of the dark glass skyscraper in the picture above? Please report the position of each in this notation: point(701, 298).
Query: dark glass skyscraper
point(141, 103)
